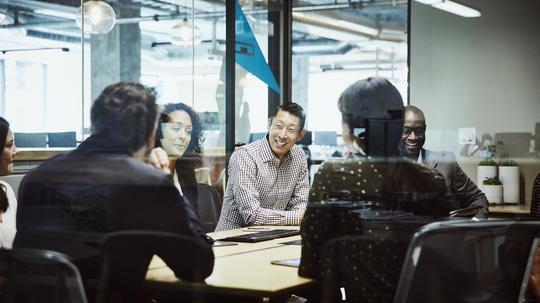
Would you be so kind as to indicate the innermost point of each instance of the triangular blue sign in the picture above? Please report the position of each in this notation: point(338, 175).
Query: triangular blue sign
point(249, 54)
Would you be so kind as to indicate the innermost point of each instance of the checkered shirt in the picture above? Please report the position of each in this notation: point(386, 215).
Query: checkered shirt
point(263, 190)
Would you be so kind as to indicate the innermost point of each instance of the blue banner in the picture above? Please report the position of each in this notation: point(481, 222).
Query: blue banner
point(249, 54)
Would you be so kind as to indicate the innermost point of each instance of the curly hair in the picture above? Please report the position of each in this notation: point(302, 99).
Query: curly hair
point(197, 139)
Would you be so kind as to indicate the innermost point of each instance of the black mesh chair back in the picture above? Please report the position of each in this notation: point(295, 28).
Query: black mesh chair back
point(127, 254)
point(209, 206)
point(469, 262)
point(51, 228)
point(39, 276)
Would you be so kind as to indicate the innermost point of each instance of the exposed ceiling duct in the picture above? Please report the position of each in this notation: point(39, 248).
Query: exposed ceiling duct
point(321, 28)
point(345, 27)
point(321, 47)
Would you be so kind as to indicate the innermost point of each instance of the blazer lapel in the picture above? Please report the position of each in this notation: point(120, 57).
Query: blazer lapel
point(429, 160)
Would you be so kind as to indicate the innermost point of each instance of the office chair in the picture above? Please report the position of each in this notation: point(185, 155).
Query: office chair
point(535, 197)
point(209, 206)
point(127, 254)
point(469, 262)
point(307, 139)
point(62, 139)
point(51, 228)
point(36, 276)
point(31, 139)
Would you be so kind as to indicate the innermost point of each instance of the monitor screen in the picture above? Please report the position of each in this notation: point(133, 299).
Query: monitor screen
point(325, 138)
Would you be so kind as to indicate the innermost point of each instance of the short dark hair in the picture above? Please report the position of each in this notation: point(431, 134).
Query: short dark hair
point(127, 113)
point(4, 203)
point(4, 129)
point(195, 145)
point(369, 98)
point(294, 109)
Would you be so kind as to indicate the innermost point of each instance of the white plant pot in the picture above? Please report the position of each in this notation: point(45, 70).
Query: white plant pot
point(494, 193)
point(483, 172)
point(509, 176)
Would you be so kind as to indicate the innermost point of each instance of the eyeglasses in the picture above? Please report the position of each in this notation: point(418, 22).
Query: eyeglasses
point(419, 131)
point(178, 127)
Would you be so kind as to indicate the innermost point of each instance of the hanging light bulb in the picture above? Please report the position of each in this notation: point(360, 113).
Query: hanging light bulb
point(186, 34)
point(99, 17)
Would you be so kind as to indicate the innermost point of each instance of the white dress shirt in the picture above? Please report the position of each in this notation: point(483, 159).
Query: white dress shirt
point(8, 228)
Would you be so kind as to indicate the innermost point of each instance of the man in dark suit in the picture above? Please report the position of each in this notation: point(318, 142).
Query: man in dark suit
point(461, 190)
point(70, 201)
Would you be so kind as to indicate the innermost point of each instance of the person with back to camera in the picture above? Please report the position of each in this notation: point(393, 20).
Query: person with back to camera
point(104, 186)
point(462, 192)
point(179, 135)
point(8, 226)
point(368, 263)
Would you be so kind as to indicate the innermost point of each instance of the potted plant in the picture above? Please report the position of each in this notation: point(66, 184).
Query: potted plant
point(509, 176)
point(487, 168)
point(493, 189)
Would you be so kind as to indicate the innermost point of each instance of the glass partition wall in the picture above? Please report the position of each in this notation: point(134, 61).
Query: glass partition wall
point(55, 60)
point(304, 51)
point(336, 43)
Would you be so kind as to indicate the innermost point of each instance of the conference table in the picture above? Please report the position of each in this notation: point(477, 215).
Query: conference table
point(242, 270)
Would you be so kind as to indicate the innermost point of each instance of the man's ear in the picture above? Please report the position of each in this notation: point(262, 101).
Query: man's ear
point(301, 135)
point(269, 124)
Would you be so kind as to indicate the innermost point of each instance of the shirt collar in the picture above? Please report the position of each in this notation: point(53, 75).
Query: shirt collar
point(420, 158)
point(266, 151)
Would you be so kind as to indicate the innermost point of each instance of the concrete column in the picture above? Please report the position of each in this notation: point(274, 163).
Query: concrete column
point(116, 56)
point(300, 81)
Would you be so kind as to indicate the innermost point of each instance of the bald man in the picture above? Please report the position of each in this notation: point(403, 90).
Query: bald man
point(461, 190)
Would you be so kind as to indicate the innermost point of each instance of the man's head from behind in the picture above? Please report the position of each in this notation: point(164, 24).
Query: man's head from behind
point(285, 128)
point(414, 132)
point(126, 112)
point(371, 98)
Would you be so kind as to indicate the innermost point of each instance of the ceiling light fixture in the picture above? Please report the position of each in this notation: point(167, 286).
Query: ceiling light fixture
point(185, 34)
point(453, 7)
point(99, 17)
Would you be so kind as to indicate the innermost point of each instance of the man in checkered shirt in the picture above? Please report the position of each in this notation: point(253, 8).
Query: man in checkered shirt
point(268, 179)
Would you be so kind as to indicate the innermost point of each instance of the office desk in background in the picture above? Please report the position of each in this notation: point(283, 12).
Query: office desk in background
point(505, 210)
point(241, 270)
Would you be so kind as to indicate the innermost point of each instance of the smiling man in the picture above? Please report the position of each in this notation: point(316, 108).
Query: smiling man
point(462, 192)
point(268, 179)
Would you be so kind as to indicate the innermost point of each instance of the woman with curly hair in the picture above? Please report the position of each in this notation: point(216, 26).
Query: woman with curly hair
point(180, 136)
point(8, 202)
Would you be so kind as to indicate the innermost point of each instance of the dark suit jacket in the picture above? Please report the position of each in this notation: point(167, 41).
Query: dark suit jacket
point(461, 190)
point(70, 201)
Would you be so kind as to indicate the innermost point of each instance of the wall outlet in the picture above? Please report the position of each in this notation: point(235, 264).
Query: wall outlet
point(467, 135)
